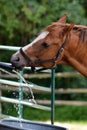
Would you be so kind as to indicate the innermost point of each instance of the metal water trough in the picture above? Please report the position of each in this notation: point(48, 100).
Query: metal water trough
point(10, 124)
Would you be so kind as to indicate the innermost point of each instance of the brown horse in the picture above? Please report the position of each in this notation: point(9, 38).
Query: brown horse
point(59, 43)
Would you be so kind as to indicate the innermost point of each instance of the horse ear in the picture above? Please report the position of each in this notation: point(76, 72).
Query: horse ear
point(67, 29)
point(71, 26)
point(63, 19)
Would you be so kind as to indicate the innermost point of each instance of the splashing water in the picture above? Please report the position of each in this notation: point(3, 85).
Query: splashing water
point(32, 100)
point(32, 95)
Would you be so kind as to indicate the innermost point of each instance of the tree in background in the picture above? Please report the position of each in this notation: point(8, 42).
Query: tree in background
point(22, 20)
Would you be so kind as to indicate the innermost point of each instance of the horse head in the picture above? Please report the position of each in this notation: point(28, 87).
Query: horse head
point(44, 50)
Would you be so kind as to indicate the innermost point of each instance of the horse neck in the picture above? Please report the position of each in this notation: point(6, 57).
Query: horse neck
point(75, 54)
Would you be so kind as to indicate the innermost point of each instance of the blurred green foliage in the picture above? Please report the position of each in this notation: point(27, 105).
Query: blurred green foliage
point(22, 20)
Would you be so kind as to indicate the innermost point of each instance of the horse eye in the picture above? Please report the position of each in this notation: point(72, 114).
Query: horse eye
point(44, 44)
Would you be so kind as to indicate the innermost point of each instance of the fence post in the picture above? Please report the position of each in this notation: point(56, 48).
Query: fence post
point(53, 96)
point(20, 112)
point(0, 102)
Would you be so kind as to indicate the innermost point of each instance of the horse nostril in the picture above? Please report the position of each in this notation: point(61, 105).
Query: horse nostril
point(15, 59)
point(18, 59)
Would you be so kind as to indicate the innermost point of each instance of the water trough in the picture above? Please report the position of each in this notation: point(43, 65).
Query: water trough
point(11, 124)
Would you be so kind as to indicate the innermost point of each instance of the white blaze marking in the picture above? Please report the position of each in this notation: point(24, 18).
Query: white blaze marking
point(41, 36)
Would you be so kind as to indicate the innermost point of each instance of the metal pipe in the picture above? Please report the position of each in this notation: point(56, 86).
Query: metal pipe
point(16, 101)
point(53, 96)
point(11, 48)
point(20, 112)
point(33, 86)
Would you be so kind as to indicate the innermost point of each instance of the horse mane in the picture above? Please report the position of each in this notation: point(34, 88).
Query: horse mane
point(82, 30)
point(82, 33)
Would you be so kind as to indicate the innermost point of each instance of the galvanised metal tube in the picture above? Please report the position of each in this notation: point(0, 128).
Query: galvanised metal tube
point(20, 112)
point(53, 96)
point(16, 101)
point(13, 83)
point(11, 48)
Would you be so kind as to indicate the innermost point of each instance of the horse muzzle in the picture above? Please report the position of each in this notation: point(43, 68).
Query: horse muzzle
point(17, 61)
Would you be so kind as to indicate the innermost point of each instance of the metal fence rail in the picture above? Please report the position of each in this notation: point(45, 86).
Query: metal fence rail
point(21, 85)
point(16, 101)
point(11, 48)
point(36, 87)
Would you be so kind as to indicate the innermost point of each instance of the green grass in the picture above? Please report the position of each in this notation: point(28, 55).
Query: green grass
point(62, 113)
